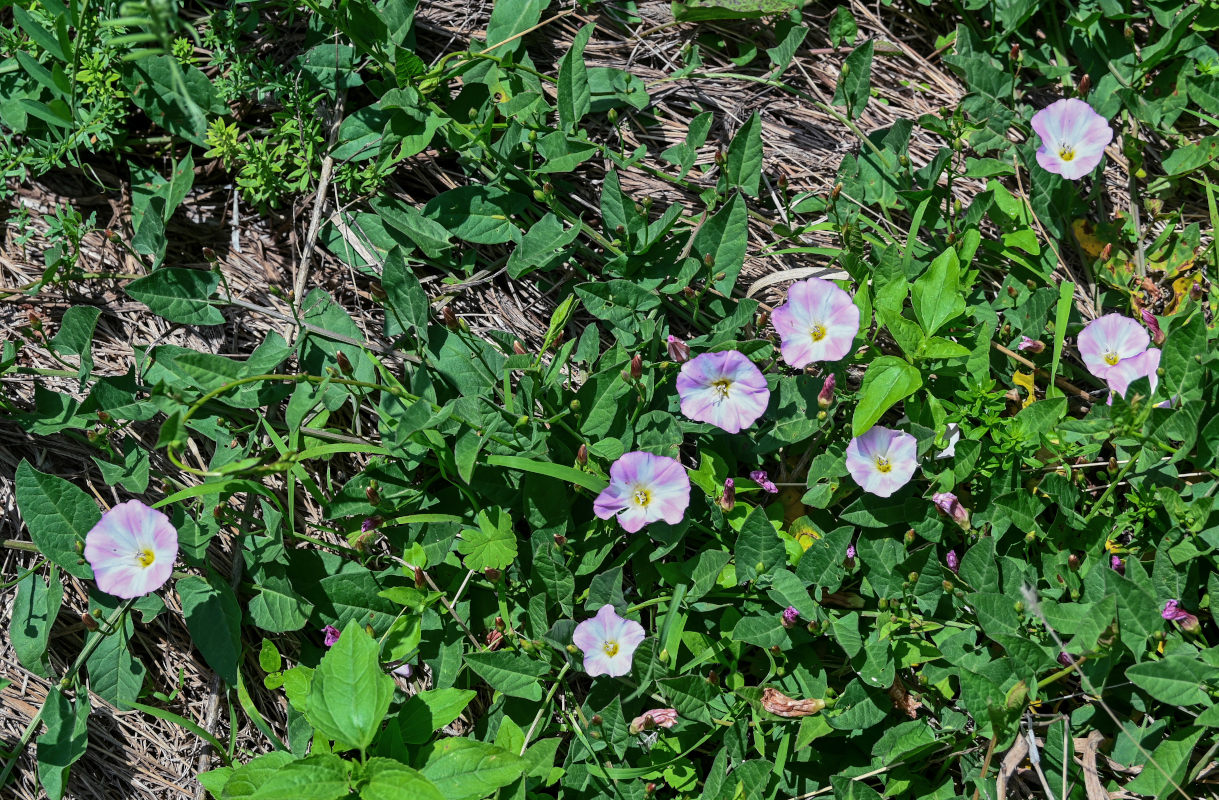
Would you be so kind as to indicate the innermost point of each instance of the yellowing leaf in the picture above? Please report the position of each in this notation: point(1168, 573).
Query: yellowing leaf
point(1025, 381)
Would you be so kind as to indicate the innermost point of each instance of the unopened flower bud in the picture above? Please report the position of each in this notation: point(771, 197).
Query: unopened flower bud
point(1085, 85)
point(1073, 562)
point(450, 319)
point(371, 523)
point(679, 351)
point(837, 190)
point(344, 363)
point(1014, 53)
point(1153, 326)
point(947, 586)
point(1106, 251)
point(89, 622)
point(596, 720)
point(582, 455)
point(1013, 292)
point(517, 347)
point(560, 539)
point(103, 417)
point(728, 498)
point(953, 562)
point(419, 581)
point(492, 574)
point(1032, 345)
point(948, 504)
point(761, 320)
point(761, 479)
point(636, 367)
point(1065, 659)
point(789, 616)
point(825, 398)
point(374, 497)
point(1117, 565)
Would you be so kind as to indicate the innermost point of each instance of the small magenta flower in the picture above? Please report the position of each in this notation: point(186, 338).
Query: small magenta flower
point(948, 503)
point(370, 523)
point(679, 351)
point(953, 562)
point(1105, 341)
point(817, 323)
point(851, 552)
point(1174, 613)
point(331, 635)
point(760, 477)
point(1032, 345)
point(644, 488)
point(725, 389)
point(882, 460)
point(131, 550)
point(1117, 565)
point(1153, 325)
point(728, 498)
point(656, 718)
point(1128, 370)
point(789, 616)
point(825, 398)
point(1073, 138)
point(608, 642)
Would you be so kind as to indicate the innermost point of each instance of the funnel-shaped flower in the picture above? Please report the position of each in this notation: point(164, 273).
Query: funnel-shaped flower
point(644, 488)
point(132, 550)
point(817, 323)
point(725, 389)
point(608, 642)
point(882, 460)
point(1073, 138)
point(948, 503)
point(1106, 341)
point(1128, 370)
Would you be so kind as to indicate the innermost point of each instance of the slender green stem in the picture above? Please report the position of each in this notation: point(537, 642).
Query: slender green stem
point(545, 705)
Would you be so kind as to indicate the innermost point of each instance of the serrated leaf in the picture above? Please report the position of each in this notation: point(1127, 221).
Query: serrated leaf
point(492, 545)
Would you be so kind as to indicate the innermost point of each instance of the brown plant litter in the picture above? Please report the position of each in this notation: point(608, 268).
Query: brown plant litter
point(138, 757)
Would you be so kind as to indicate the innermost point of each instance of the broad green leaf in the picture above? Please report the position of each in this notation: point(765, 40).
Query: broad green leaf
point(477, 213)
point(431, 710)
point(843, 29)
point(855, 80)
point(698, 10)
point(758, 547)
point(75, 335)
point(277, 607)
point(65, 740)
point(936, 294)
point(350, 694)
point(386, 779)
point(509, 18)
point(743, 162)
point(1173, 757)
point(116, 675)
point(574, 96)
point(725, 237)
point(213, 617)
point(406, 303)
point(464, 769)
point(243, 781)
point(542, 247)
point(1176, 680)
point(58, 516)
point(33, 613)
point(888, 381)
point(179, 295)
point(514, 674)
point(492, 544)
point(321, 776)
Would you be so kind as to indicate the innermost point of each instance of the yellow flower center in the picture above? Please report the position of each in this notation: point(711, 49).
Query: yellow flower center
point(1111, 358)
point(817, 332)
point(721, 387)
point(610, 648)
point(145, 557)
point(1066, 153)
point(882, 464)
point(642, 496)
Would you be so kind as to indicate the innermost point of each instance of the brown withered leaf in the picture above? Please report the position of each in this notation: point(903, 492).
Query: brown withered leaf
point(780, 704)
point(902, 699)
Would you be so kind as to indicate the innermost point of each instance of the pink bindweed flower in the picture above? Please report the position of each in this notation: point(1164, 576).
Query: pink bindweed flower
point(656, 718)
point(331, 635)
point(953, 562)
point(817, 323)
point(1128, 370)
point(948, 503)
point(825, 398)
point(882, 460)
point(851, 552)
point(132, 550)
point(608, 642)
point(1106, 341)
point(1153, 325)
point(1174, 613)
point(1032, 345)
point(644, 488)
point(679, 351)
point(725, 389)
point(760, 477)
point(1073, 138)
point(789, 616)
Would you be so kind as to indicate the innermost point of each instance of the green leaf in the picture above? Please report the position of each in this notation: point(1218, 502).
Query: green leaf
point(429, 711)
point(58, 517)
point(350, 694)
point(386, 779)
point(277, 607)
point(758, 547)
point(213, 617)
point(464, 769)
point(509, 18)
point(936, 295)
point(1176, 680)
point(575, 98)
point(34, 611)
point(887, 381)
point(179, 295)
point(492, 544)
point(743, 163)
point(855, 80)
point(65, 740)
point(514, 674)
point(478, 213)
point(75, 335)
point(1172, 757)
point(115, 675)
point(544, 246)
point(245, 780)
point(406, 303)
point(321, 776)
point(725, 238)
point(843, 29)
point(699, 10)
